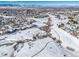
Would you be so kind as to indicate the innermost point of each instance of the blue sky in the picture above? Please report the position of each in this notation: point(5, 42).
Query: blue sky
point(39, 0)
point(43, 3)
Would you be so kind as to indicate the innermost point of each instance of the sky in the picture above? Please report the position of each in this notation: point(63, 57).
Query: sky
point(39, 3)
point(39, 0)
point(44, 3)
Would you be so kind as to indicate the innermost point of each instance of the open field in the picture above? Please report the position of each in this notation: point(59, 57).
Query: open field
point(39, 32)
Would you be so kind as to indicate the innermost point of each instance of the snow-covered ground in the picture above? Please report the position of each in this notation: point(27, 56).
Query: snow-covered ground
point(35, 42)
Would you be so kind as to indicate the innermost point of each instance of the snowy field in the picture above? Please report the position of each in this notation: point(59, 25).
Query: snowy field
point(51, 35)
